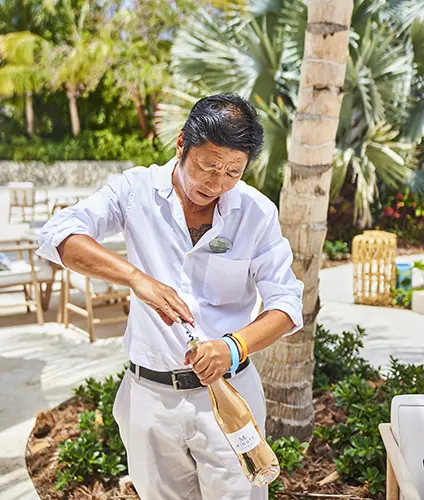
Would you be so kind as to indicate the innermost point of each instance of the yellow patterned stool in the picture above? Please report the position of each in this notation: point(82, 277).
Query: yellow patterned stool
point(374, 267)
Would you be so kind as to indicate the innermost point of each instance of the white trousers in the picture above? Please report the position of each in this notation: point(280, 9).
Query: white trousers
point(175, 449)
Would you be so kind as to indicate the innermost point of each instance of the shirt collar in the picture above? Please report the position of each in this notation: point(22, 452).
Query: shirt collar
point(162, 181)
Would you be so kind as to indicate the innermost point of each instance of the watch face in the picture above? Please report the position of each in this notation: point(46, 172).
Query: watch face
point(220, 245)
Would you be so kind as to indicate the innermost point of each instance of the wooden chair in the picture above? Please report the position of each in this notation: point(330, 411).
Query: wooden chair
point(398, 480)
point(98, 294)
point(22, 196)
point(26, 275)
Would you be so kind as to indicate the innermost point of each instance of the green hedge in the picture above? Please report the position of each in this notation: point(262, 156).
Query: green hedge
point(100, 145)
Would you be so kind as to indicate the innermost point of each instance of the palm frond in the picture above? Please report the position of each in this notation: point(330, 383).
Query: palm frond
point(417, 40)
point(21, 51)
point(266, 174)
point(406, 12)
point(365, 10)
point(378, 83)
point(80, 66)
point(17, 80)
point(201, 51)
point(376, 158)
point(341, 163)
point(414, 126)
point(294, 16)
point(22, 47)
point(417, 183)
point(366, 189)
point(389, 158)
point(172, 113)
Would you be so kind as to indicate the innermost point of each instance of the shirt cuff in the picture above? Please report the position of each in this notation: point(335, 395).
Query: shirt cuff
point(294, 314)
point(48, 247)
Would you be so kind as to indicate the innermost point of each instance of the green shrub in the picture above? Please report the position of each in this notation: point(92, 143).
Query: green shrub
point(336, 250)
point(290, 453)
point(338, 357)
point(99, 145)
point(363, 393)
point(361, 454)
point(98, 450)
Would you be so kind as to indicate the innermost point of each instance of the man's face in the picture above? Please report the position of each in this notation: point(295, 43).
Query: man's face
point(209, 171)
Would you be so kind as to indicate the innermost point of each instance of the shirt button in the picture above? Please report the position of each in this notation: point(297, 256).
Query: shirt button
point(186, 289)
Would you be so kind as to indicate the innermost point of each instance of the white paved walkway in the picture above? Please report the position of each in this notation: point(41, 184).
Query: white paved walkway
point(38, 369)
point(391, 331)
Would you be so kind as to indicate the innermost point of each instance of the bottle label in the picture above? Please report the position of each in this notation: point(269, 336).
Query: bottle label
point(245, 439)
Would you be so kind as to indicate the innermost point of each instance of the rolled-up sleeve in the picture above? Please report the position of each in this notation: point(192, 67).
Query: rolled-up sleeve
point(271, 269)
point(100, 215)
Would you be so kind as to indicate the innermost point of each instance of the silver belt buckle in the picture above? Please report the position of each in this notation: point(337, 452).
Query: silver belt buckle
point(175, 383)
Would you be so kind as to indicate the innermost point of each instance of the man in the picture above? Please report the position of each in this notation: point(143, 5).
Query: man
point(200, 244)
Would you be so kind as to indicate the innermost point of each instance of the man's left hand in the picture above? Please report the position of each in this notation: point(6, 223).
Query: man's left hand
point(210, 361)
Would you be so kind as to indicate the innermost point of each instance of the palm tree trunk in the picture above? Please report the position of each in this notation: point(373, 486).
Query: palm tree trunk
point(141, 115)
point(29, 113)
point(73, 111)
point(287, 367)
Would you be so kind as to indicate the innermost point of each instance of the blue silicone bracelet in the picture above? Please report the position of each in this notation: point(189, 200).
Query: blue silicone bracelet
point(235, 355)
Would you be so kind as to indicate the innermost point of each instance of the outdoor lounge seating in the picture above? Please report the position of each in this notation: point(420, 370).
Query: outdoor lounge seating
point(403, 439)
point(23, 202)
point(98, 294)
point(25, 273)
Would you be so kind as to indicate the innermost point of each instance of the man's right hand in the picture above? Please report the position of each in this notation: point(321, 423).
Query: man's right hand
point(160, 297)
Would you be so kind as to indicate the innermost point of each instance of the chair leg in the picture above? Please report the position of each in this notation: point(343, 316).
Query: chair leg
point(60, 312)
point(47, 295)
point(89, 307)
point(40, 316)
point(66, 299)
point(27, 297)
point(37, 295)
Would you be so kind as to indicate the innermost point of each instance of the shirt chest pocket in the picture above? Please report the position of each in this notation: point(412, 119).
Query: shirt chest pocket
point(225, 279)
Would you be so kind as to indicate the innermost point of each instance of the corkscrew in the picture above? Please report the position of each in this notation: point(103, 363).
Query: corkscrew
point(193, 342)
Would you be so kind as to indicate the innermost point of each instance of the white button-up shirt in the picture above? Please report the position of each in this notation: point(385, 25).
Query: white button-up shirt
point(220, 289)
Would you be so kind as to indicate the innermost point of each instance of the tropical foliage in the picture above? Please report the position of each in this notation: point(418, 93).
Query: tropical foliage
point(256, 50)
point(93, 65)
point(67, 65)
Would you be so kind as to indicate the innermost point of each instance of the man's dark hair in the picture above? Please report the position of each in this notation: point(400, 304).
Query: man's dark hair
point(226, 120)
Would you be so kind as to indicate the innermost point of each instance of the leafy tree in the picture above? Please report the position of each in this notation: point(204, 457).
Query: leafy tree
point(78, 63)
point(21, 73)
point(143, 34)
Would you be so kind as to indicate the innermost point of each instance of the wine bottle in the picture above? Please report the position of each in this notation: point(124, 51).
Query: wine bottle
point(239, 426)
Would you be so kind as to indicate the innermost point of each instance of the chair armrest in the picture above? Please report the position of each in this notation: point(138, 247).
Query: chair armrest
point(17, 248)
point(402, 474)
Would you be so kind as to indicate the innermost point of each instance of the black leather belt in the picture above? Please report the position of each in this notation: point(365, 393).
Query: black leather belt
point(181, 380)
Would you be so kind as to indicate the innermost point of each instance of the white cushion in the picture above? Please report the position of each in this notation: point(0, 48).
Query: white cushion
point(97, 286)
point(21, 273)
point(20, 185)
point(114, 243)
point(418, 301)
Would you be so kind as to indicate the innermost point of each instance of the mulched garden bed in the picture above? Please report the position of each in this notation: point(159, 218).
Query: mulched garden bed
point(316, 480)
